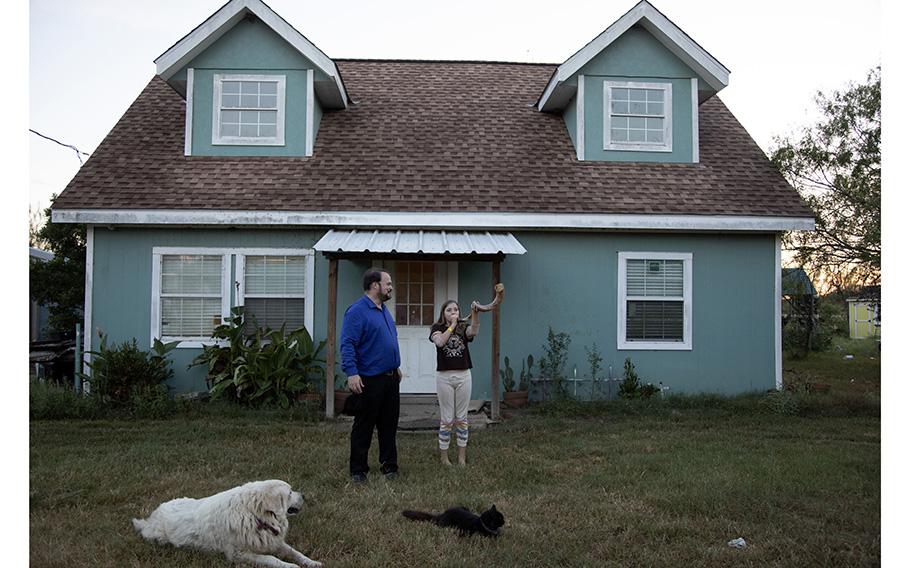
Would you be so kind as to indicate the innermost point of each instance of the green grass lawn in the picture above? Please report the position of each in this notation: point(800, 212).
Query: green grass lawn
point(860, 373)
point(613, 484)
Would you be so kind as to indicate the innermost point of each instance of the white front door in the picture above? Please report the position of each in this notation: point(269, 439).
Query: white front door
point(420, 289)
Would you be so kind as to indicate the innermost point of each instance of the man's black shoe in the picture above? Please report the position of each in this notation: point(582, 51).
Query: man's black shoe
point(358, 479)
point(392, 475)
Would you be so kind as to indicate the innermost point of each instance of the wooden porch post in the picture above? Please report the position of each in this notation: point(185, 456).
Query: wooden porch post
point(330, 339)
point(494, 383)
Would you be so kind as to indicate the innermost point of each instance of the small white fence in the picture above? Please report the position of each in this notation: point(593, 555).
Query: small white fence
point(581, 388)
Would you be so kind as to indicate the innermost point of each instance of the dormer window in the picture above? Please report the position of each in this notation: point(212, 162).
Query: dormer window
point(638, 116)
point(248, 110)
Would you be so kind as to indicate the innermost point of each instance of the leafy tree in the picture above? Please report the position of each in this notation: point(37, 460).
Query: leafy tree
point(36, 221)
point(836, 167)
point(60, 282)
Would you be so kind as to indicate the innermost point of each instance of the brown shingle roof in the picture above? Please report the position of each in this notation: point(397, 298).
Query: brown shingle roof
point(427, 136)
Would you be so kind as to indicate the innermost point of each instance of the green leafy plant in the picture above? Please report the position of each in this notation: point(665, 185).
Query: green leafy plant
point(828, 322)
point(524, 379)
point(268, 367)
point(507, 375)
point(59, 284)
point(219, 356)
point(124, 373)
point(341, 381)
point(48, 401)
point(595, 361)
point(835, 165)
point(595, 364)
point(553, 362)
point(631, 387)
point(780, 402)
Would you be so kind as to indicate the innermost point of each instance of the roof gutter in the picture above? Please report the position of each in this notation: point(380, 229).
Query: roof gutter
point(437, 220)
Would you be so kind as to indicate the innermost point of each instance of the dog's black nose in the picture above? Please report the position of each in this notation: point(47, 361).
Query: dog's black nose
point(293, 511)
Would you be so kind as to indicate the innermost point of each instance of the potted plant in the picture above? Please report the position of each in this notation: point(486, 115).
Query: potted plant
point(341, 392)
point(261, 368)
point(516, 395)
point(311, 391)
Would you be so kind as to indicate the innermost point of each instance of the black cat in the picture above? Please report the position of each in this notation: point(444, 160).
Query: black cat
point(487, 524)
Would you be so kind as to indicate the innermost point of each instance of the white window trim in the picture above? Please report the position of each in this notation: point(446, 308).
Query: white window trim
point(310, 111)
point(157, 253)
point(778, 319)
point(308, 287)
point(621, 342)
point(218, 139)
point(666, 145)
point(88, 332)
point(695, 142)
point(580, 120)
point(188, 127)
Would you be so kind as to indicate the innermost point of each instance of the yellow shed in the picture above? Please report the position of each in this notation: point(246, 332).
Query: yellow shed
point(865, 317)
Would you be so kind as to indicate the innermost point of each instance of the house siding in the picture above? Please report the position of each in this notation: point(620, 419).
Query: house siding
point(636, 56)
point(122, 292)
point(566, 280)
point(569, 281)
point(252, 48)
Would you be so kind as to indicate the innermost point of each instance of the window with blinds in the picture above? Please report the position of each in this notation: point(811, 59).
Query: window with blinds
point(190, 294)
point(654, 300)
point(655, 297)
point(274, 292)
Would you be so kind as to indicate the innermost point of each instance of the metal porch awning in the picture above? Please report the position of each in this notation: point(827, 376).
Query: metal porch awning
point(471, 243)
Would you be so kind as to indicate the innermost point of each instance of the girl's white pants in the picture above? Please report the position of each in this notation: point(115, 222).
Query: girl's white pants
point(453, 388)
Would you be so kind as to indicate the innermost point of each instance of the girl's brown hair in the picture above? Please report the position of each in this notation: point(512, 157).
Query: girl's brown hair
point(442, 311)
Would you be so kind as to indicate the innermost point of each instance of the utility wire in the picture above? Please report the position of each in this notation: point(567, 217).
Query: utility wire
point(70, 146)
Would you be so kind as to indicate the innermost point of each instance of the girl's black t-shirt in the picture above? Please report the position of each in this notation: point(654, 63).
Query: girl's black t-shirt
point(454, 355)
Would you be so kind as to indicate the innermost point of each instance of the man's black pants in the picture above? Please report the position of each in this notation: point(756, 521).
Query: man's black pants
point(378, 409)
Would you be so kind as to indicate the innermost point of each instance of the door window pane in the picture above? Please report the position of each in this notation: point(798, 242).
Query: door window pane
point(415, 285)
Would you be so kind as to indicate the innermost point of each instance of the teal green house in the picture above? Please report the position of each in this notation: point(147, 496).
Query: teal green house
point(614, 195)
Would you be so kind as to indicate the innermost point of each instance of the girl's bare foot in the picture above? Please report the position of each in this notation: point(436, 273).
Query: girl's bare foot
point(461, 456)
point(444, 457)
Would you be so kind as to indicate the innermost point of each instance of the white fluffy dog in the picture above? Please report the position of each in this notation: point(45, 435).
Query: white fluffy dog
point(246, 524)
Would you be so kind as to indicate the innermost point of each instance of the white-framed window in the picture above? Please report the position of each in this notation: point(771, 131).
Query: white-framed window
point(192, 286)
point(654, 301)
point(248, 110)
point(638, 116)
point(190, 294)
point(275, 286)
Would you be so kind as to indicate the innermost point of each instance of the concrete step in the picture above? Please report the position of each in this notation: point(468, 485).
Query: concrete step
point(429, 398)
point(420, 412)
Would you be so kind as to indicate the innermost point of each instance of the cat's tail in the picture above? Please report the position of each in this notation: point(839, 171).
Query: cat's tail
point(419, 516)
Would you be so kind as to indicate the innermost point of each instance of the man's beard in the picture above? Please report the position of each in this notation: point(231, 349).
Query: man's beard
point(383, 297)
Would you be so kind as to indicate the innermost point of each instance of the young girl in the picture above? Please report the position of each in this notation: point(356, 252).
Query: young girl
point(453, 376)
